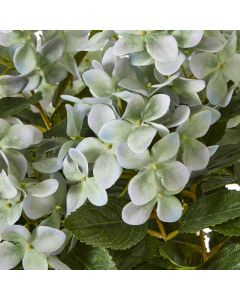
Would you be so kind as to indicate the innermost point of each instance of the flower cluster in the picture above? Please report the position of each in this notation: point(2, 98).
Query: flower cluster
point(150, 98)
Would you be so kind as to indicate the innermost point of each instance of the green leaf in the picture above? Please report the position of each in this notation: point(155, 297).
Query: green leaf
point(180, 255)
point(130, 258)
point(58, 131)
point(211, 210)
point(228, 258)
point(226, 155)
point(85, 257)
point(103, 226)
point(231, 227)
point(13, 105)
point(214, 182)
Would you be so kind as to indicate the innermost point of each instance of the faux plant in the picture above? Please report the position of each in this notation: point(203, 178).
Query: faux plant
point(117, 149)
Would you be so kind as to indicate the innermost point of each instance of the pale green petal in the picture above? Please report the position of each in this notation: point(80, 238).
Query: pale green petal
point(97, 41)
point(96, 194)
point(35, 207)
point(162, 48)
point(140, 59)
point(166, 148)
point(99, 82)
point(91, 148)
point(99, 115)
point(180, 115)
point(47, 239)
point(74, 121)
point(198, 125)
point(229, 48)
point(69, 63)
point(174, 175)
point(108, 60)
point(34, 260)
point(137, 214)
point(16, 234)
point(128, 44)
point(171, 67)
point(233, 122)
point(190, 99)
point(10, 255)
point(140, 139)
point(169, 209)
point(52, 50)
point(37, 135)
point(134, 85)
point(10, 38)
point(189, 85)
point(210, 44)
point(79, 159)
point(163, 81)
point(4, 126)
point(157, 107)
point(54, 220)
point(54, 73)
point(107, 170)
point(25, 60)
point(71, 170)
point(49, 165)
point(188, 38)
point(202, 64)
point(16, 162)
point(143, 187)
point(215, 114)
point(64, 150)
point(161, 129)
point(232, 68)
point(129, 159)
point(18, 136)
point(217, 89)
point(134, 109)
point(34, 80)
point(11, 85)
point(44, 188)
point(195, 154)
point(125, 95)
point(76, 197)
point(115, 131)
point(14, 213)
point(7, 190)
point(228, 97)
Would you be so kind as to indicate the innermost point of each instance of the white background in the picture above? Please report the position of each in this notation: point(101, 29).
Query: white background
point(122, 14)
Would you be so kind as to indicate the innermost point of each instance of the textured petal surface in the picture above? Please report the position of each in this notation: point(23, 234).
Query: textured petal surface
point(140, 139)
point(174, 175)
point(34, 260)
point(143, 188)
point(98, 116)
point(166, 148)
point(91, 148)
point(169, 209)
point(10, 255)
point(195, 154)
point(137, 214)
point(129, 159)
point(116, 131)
point(107, 170)
point(47, 239)
point(95, 193)
point(76, 197)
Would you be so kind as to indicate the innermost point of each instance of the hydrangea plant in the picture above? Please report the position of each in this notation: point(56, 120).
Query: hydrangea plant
point(117, 149)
